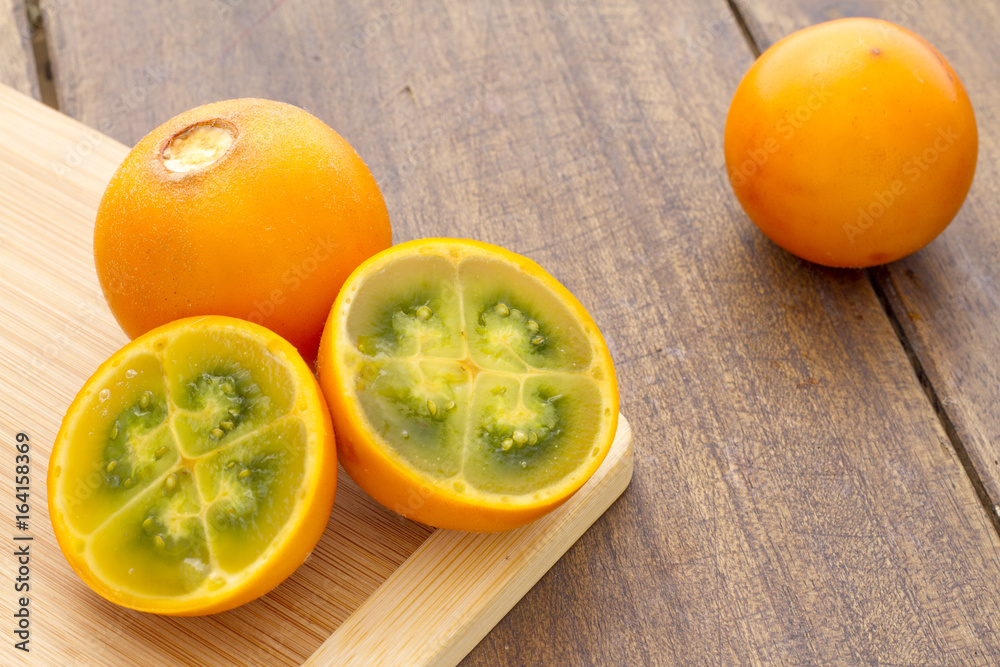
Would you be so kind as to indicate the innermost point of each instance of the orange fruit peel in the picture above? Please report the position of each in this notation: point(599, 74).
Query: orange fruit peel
point(248, 208)
point(851, 143)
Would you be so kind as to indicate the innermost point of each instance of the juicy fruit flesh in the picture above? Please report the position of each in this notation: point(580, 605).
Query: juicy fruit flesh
point(185, 465)
point(475, 375)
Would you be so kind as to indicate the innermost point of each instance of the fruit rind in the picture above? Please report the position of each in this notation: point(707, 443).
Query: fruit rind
point(267, 232)
point(400, 487)
point(851, 143)
point(290, 545)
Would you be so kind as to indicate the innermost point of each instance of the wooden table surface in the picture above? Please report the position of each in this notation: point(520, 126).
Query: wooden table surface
point(816, 450)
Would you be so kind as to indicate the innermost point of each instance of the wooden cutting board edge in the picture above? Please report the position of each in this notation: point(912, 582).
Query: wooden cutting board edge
point(426, 614)
point(437, 605)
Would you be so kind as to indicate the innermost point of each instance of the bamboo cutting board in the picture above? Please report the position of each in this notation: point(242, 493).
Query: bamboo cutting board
point(376, 590)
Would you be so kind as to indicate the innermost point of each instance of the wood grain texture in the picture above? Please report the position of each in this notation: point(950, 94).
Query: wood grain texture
point(54, 333)
point(795, 499)
point(456, 586)
point(947, 296)
point(17, 61)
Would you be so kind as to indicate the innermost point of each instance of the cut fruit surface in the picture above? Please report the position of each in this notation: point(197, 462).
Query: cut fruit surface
point(195, 470)
point(469, 389)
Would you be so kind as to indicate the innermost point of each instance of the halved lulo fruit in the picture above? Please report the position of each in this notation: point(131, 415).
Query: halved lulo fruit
point(468, 388)
point(195, 470)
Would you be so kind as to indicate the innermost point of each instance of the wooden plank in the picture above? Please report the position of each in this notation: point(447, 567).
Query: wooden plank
point(17, 60)
point(471, 580)
point(946, 297)
point(795, 499)
point(56, 330)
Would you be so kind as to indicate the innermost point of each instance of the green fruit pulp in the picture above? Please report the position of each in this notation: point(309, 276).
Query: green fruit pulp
point(185, 463)
point(476, 375)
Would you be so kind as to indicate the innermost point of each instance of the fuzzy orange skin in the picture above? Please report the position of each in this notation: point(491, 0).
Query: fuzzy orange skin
point(267, 234)
point(851, 143)
point(396, 486)
point(317, 503)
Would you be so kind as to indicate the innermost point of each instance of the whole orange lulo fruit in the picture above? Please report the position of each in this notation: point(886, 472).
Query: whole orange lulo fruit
point(249, 208)
point(851, 143)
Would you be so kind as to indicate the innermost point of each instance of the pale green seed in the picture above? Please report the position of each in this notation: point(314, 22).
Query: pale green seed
point(148, 523)
point(244, 473)
point(424, 313)
point(170, 482)
point(432, 408)
point(227, 388)
point(508, 443)
point(129, 482)
point(160, 542)
point(520, 437)
point(158, 454)
point(114, 431)
point(449, 406)
point(514, 312)
point(111, 467)
point(145, 399)
point(227, 425)
point(217, 433)
point(532, 326)
point(230, 464)
point(538, 340)
point(502, 310)
point(533, 438)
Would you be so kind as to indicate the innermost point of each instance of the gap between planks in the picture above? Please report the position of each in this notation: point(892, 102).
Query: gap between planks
point(43, 57)
point(744, 28)
point(958, 447)
point(991, 508)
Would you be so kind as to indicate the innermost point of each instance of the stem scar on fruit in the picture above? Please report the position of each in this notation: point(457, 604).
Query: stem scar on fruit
point(290, 204)
point(198, 146)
